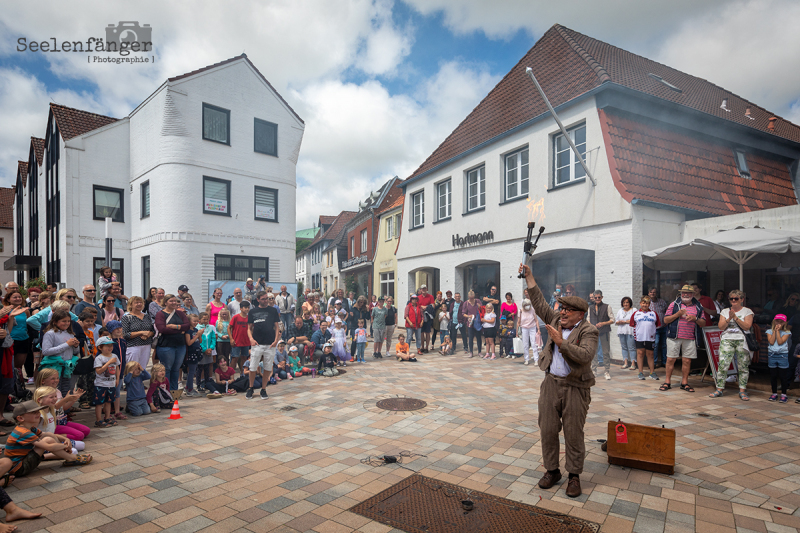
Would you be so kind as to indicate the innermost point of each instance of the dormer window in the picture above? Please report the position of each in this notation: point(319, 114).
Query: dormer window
point(741, 163)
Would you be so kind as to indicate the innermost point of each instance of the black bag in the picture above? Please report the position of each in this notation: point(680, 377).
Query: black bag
point(20, 393)
point(84, 366)
point(752, 344)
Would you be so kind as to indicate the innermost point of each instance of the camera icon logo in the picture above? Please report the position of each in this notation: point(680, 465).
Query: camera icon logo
point(129, 32)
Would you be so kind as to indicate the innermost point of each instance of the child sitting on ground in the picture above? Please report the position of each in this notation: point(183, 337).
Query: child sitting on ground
point(327, 363)
point(402, 350)
point(778, 359)
point(293, 362)
point(47, 398)
point(447, 346)
point(48, 377)
point(134, 383)
point(106, 367)
point(223, 379)
point(158, 394)
point(26, 445)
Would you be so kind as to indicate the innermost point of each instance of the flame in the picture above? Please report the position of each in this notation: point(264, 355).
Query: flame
point(536, 211)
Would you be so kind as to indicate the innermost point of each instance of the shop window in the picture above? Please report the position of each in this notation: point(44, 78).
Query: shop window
point(480, 278)
point(418, 209)
point(517, 174)
point(476, 189)
point(108, 203)
point(567, 167)
point(443, 199)
point(216, 196)
point(216, 124)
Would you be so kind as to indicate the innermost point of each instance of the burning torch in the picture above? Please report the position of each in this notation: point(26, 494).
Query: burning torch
point(530, 244)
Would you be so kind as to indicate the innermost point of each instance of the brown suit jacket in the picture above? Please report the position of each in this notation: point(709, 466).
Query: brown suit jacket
point(579, 348)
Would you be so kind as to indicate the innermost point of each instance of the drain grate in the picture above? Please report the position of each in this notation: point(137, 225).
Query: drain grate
point(420, 504)
point(401, 404)
point(288, 408)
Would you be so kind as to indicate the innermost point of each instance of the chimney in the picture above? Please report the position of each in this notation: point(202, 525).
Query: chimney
point(772, 121)
point(725, 105)
point(747, 114)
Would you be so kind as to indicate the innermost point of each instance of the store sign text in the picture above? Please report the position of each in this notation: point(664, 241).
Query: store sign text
point(472, 238)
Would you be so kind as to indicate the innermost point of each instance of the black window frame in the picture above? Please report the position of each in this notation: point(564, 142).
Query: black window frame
point(145, 276)
point(105, 188)
point(203, 123)
point(255, 206)
point(118, 272)
point(251, 272)
point(203, 199)
point(256, 122)
point(142, 187)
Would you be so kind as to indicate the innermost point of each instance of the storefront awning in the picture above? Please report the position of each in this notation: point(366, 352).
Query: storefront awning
point(735, 249)
point(22, 262)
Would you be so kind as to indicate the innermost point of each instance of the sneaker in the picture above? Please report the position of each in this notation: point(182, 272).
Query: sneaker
point(264, 395)
point(653, 376)
point(773, 398)
point(784, 398)
point(526, 362)
point(213, 395)
point(641, 375)
point(249, 394)
point(608, 375)
point(192, 394)
point(31, 381)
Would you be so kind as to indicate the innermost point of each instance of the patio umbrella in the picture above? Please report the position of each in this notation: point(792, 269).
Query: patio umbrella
point(739, 248)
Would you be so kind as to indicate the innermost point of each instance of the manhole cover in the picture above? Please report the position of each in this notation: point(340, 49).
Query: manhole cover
point(421, 504)
point(288, 408)
point(401, 404)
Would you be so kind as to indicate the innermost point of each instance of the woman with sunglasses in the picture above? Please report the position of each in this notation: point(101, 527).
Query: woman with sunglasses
point(734, 323)
point(108, 312)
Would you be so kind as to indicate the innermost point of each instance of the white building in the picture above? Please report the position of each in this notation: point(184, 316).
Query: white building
point(199, 180)
point(658, 144)
point(7, 198)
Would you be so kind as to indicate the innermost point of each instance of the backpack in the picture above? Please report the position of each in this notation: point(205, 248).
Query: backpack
point(20, 393)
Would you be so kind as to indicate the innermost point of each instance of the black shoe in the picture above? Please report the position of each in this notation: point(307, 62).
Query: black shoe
point(380, 355)
point(249, 394)
point(264, 394)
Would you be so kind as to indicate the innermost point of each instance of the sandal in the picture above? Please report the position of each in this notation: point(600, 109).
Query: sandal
point(716, 394)
point(101, 424)
point(7, 479)
point(744, 397)
point(110, 421)
point(6, 423)
point(121, 416)
point(80, 460)
point(687, 388)
point(85, 405)
point(665, 386)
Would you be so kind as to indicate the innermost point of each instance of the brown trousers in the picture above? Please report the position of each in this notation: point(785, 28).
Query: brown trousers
point(560, 403)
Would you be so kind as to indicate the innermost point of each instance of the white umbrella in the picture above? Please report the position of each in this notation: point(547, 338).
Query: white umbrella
point(730, 250)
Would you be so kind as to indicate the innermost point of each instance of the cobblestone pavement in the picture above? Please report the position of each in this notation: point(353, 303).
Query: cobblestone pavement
point(238, 465)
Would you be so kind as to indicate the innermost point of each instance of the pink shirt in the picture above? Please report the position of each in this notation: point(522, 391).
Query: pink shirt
point(212, 319)
point(685, 328)
point(511, 308)
point(527, 319)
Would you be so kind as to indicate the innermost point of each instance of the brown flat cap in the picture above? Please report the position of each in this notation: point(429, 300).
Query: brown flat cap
point(575, 302)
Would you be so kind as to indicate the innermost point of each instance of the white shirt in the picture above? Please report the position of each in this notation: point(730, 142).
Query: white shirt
point(559, 366)
point(733, 331)
point(622, 314)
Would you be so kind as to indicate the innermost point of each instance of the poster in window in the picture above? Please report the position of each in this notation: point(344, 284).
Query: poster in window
point(263, 211)
point(216, 205)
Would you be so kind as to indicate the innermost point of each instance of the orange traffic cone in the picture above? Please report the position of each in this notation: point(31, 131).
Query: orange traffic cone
point(176, 412)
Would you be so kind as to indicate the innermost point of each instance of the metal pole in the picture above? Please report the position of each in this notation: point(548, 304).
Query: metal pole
point(529, 71)
point(109, 254)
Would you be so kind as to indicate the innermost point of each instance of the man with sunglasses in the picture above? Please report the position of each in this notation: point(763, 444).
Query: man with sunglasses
point(89, 293)
point(264, 326)
point(565, 393)
point(120, 300)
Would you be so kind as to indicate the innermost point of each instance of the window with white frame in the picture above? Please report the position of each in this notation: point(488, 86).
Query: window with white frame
point(363, 241)
point(389, 228)
point(418, 209)
point(567, 167)
point(476, 189)
point(216, 124)
point(352, 246)
point(517, 174)
point(443, 199)
point(387, 284)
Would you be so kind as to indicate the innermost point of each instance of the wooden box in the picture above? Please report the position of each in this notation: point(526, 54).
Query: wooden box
point(648, 448)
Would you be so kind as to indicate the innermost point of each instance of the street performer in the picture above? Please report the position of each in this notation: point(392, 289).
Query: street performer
point(565, 394)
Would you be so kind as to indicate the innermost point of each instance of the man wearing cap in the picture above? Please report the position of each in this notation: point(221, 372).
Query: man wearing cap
point(425, 299)
point(249, 292)
point(413, 316)
point(565, 393)
point(285, 303)
point(682, 318)
point(182, 290)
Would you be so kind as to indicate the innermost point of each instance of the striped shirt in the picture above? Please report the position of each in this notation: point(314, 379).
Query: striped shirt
point(685, 328)
point(19, 443)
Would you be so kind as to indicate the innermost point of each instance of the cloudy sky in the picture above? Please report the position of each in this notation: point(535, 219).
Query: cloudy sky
point(379, 83)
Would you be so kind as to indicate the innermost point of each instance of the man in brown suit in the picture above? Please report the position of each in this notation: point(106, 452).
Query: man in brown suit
point(565, 394)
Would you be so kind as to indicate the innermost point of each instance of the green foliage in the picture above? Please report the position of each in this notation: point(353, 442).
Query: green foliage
point(301, 244)
point(35, 282)
point(351, 284)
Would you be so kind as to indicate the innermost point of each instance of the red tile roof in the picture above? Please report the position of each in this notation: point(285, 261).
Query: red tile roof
point(656, 162)
point(336, 230)
point(231, 60)
point(568, 64)
point(326, 219)
point(7, 195)
point(22, 171)
point(38, 149)
point(73, 122)
point(398, 201)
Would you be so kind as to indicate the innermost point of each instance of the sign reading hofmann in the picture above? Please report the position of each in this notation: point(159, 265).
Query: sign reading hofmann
point(472, 238)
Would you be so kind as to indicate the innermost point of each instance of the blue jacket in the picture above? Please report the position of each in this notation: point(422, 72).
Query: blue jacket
point(672, 327)
point(135, 385)
point(319, 339)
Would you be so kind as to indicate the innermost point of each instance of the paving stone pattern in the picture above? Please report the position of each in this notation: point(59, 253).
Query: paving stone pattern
point(238, 465)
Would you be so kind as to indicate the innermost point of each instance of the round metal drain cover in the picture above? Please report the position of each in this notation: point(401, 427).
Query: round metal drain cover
point(401, 404)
